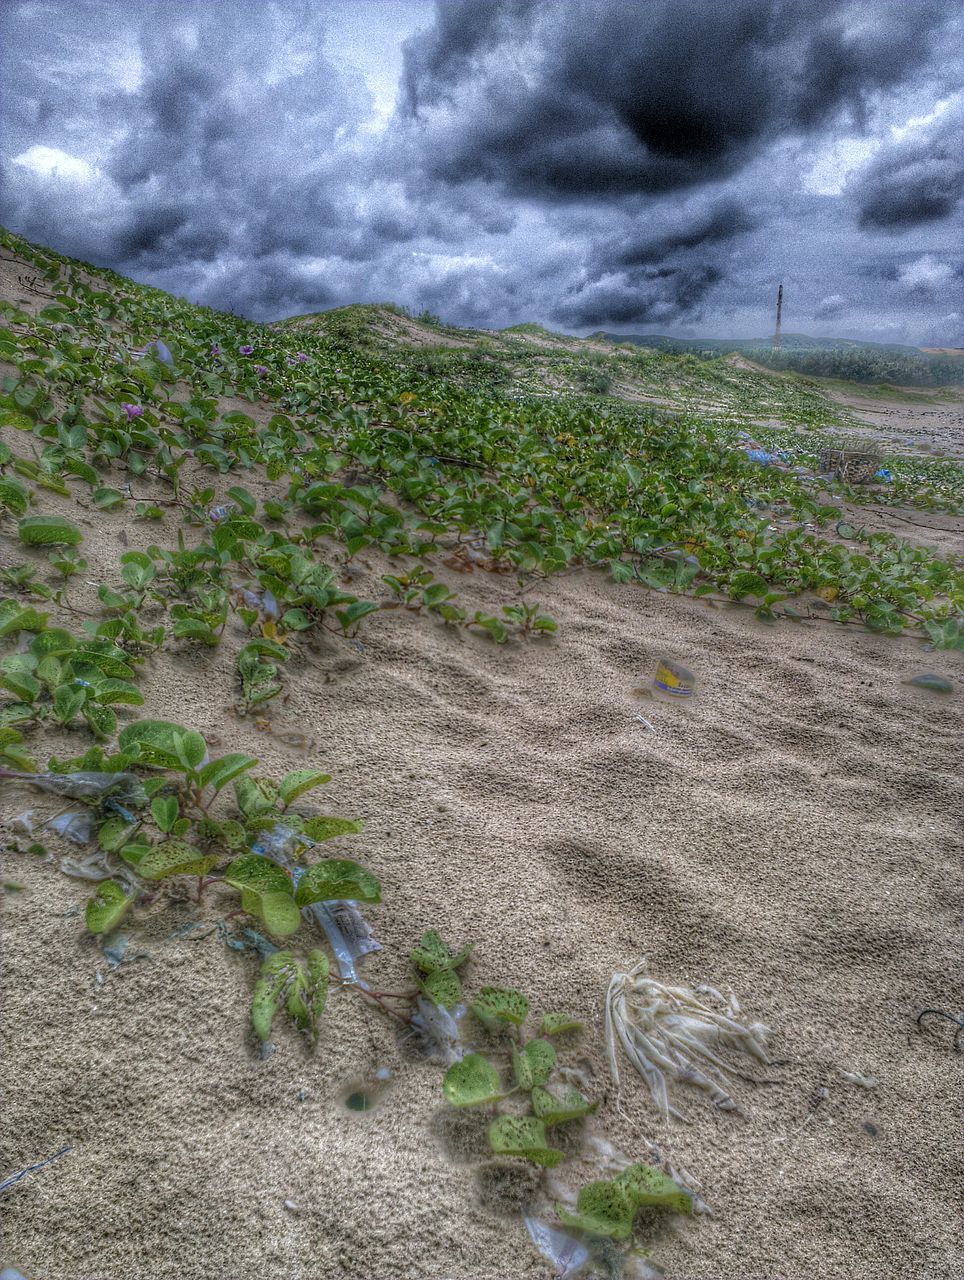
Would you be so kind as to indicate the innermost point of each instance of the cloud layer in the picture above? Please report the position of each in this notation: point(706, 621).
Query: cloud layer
point(589, 164)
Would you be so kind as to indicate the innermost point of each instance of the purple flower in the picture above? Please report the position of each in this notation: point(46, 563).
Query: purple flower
point(260, 370)
point(300, 357)
point(291, 363)
point(132, 411)
point(215, 349)
point(246, 349)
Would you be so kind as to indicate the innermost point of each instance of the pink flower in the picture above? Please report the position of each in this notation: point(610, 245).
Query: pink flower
point(132, 411)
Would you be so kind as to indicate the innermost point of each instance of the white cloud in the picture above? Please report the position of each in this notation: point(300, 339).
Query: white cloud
point(899, 131)
point(54, 163)
point(925, 274)
point(834, 165)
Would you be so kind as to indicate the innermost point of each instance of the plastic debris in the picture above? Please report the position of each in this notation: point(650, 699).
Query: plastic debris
point(763, 456)
point(23, 822)
point(266, 601)
point(120, 788)
point(348, 933)
point(221, 511)
point(950, 1017)
point(931, 680)
point(673, 679)
point(7, 1183)
point(281, 843)
point(292, 1207)
point(11, 1273)
point(668, 1032)
point(863, 1082)
point(884, 474)
point(437, 1032)
point(191, 931)
point(77, 826)
point(161, 352)
point(246, 941)
point(567, 1254)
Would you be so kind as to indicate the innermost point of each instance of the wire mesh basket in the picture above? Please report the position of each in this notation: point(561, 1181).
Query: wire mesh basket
point(854, 466)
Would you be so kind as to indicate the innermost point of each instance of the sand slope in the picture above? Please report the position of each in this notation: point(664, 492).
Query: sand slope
point(792, 834)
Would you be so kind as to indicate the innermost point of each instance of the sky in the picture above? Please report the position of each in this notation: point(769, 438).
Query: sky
point(639, 166)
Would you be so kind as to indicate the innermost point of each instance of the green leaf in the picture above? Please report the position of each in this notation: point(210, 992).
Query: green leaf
point(218, 773)
point(337, 878)
point(158, 742)
point(295, 784)
point(442, 987)
point(571, 1105)
point(107, 499)
point(318, 986)
point(13, 496)
point(14, 618)
point(265, 892)
point(276, 971)
point(107, 907)
point(68, 699)
point(137, 569)
point(355, 612)
point(554, 1024)
point(52, 643)
point(494, 1006)
point(119, 691)
point(243, 499)
point(648, 1186)
point(101, 719)
point(165, 811)
point(472, 1082)
point(48, 531)
point(255, 796)
point(525, 1137)
point(432, 955)
point(279, 913)
point(322, 828)
point(602, 1209)
point(195, 629)
point(533, 1063)
point(20, 682)
point(174, 858)
point(113, 834)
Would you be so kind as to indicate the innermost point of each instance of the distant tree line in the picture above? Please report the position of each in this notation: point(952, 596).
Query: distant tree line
point(864, 364)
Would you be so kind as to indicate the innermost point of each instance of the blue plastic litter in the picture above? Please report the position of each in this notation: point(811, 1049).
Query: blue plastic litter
point(885, 475)
point(761, 455)
point(161, 352)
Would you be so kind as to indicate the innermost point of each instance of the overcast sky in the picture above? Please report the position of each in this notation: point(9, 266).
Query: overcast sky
point(634, 165)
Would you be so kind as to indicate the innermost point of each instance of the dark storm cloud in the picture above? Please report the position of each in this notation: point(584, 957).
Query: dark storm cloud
point(598, 98)
point(715, 225)
point(646, 297)
point(585, 163)
point(916, 180)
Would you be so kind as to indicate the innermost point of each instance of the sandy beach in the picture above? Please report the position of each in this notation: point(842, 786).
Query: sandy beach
point(792, 835)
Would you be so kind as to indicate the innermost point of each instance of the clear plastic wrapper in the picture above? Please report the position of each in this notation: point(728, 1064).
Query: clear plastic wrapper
point(349, 934)
point(77, 826)
point(568, 1255)
point(437, 1031)
point(118, 788)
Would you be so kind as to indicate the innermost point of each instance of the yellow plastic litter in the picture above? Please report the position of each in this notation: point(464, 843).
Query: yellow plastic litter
point(673, 679)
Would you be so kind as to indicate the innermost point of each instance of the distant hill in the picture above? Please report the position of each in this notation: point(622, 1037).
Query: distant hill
point(849, 358)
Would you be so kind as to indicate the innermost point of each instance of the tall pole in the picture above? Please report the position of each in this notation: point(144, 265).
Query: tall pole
point(776, 335)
